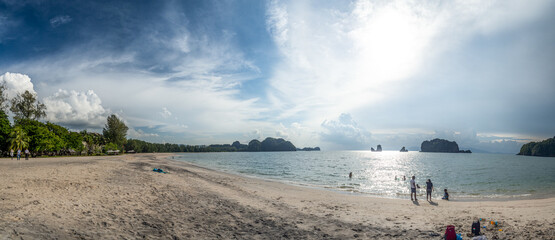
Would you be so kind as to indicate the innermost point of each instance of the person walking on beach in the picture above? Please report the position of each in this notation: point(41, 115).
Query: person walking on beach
point(11, 153)
point(27, 153)
point(18, 154)
point(413, 189)
point(429, 189)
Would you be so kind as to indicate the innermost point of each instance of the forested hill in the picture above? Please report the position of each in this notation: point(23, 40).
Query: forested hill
point(545, 148)
point(268, 145)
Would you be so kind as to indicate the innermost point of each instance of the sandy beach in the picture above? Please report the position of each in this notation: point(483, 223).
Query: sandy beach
point(120, 197)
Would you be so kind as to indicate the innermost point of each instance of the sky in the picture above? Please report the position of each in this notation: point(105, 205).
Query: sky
point(341, 75)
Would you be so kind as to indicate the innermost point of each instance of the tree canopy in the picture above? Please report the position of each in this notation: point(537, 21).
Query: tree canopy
point(26, 106)
point(115, 130)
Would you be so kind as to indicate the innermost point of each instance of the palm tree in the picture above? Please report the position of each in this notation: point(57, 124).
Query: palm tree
point(18, 138)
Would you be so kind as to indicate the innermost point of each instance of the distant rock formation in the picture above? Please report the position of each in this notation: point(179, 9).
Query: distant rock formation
point(404, 150)
point(270, 145)
point(309, 149)
point(240, 147)
point(254, 146)
point(545, 148)
point(379, 148)
point(441, 145)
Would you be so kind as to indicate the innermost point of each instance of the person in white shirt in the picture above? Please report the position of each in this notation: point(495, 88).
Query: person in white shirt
point(413, 189)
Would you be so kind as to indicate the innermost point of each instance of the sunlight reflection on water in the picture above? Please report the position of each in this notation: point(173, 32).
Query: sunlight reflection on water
point(465, 175)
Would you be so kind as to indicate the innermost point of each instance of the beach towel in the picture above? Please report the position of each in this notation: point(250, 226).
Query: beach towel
point(159, 170)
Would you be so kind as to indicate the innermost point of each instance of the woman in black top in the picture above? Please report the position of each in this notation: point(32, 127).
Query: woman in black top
point(429, 188)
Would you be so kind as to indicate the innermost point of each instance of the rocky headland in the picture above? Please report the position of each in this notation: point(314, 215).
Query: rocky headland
point(441, 145)
point(545, 148)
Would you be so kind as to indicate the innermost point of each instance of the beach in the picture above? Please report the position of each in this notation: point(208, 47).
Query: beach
point(120, 197)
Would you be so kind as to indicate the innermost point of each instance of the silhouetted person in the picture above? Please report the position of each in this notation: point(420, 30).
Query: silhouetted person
point(351, 175)
point(413, 189)
point(429, 189)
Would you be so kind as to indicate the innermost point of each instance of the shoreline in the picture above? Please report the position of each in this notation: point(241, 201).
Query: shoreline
point(114, 197)
point(421, 193)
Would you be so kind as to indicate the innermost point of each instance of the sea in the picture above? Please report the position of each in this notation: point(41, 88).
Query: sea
point(474, 176)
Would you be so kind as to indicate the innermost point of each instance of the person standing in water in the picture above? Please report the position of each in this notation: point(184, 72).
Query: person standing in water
point(413, 189)
point(351, 175)
point(429, 189)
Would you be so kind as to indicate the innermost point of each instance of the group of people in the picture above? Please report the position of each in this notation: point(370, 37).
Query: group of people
point(429, 189)
point(27, 153)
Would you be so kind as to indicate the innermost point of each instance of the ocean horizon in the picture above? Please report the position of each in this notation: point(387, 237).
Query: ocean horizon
point(476, 176)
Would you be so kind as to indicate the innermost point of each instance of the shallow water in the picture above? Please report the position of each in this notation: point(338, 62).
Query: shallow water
point(466, 176)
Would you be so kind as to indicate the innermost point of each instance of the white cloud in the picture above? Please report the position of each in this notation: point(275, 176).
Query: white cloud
point(337, 59)
point(76, 109)
point(140, 134)
point(16, 83)
point(276, 22)
point(60, 20)
point(165, 113)
point(345, 133)
point(254, 134)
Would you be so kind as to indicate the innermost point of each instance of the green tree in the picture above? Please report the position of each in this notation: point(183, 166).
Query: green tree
point(5, 130)
point(115, 131)
point(93, 141)
point(74, 141)
point(26, 106)
point(42, 138)
point(18, 139)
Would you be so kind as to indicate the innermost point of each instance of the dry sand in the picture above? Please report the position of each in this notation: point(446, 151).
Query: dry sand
point(120, 197)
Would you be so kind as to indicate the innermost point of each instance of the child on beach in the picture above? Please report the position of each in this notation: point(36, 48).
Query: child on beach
point(445, 195)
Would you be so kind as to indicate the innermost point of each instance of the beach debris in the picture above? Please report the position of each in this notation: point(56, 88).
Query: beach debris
point(158, 170)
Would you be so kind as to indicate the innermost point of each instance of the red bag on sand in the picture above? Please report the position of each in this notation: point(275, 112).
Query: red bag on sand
point(450, 233)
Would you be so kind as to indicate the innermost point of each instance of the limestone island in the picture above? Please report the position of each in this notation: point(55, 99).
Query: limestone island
point(545, 148)
point(404, 150)
point(379, 148)
point(268, 145)
point(441, 145)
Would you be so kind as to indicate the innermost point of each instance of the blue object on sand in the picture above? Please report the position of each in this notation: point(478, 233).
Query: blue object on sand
point(158, 170)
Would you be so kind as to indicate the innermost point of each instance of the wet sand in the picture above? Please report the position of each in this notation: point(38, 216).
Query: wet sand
point(120, 197)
